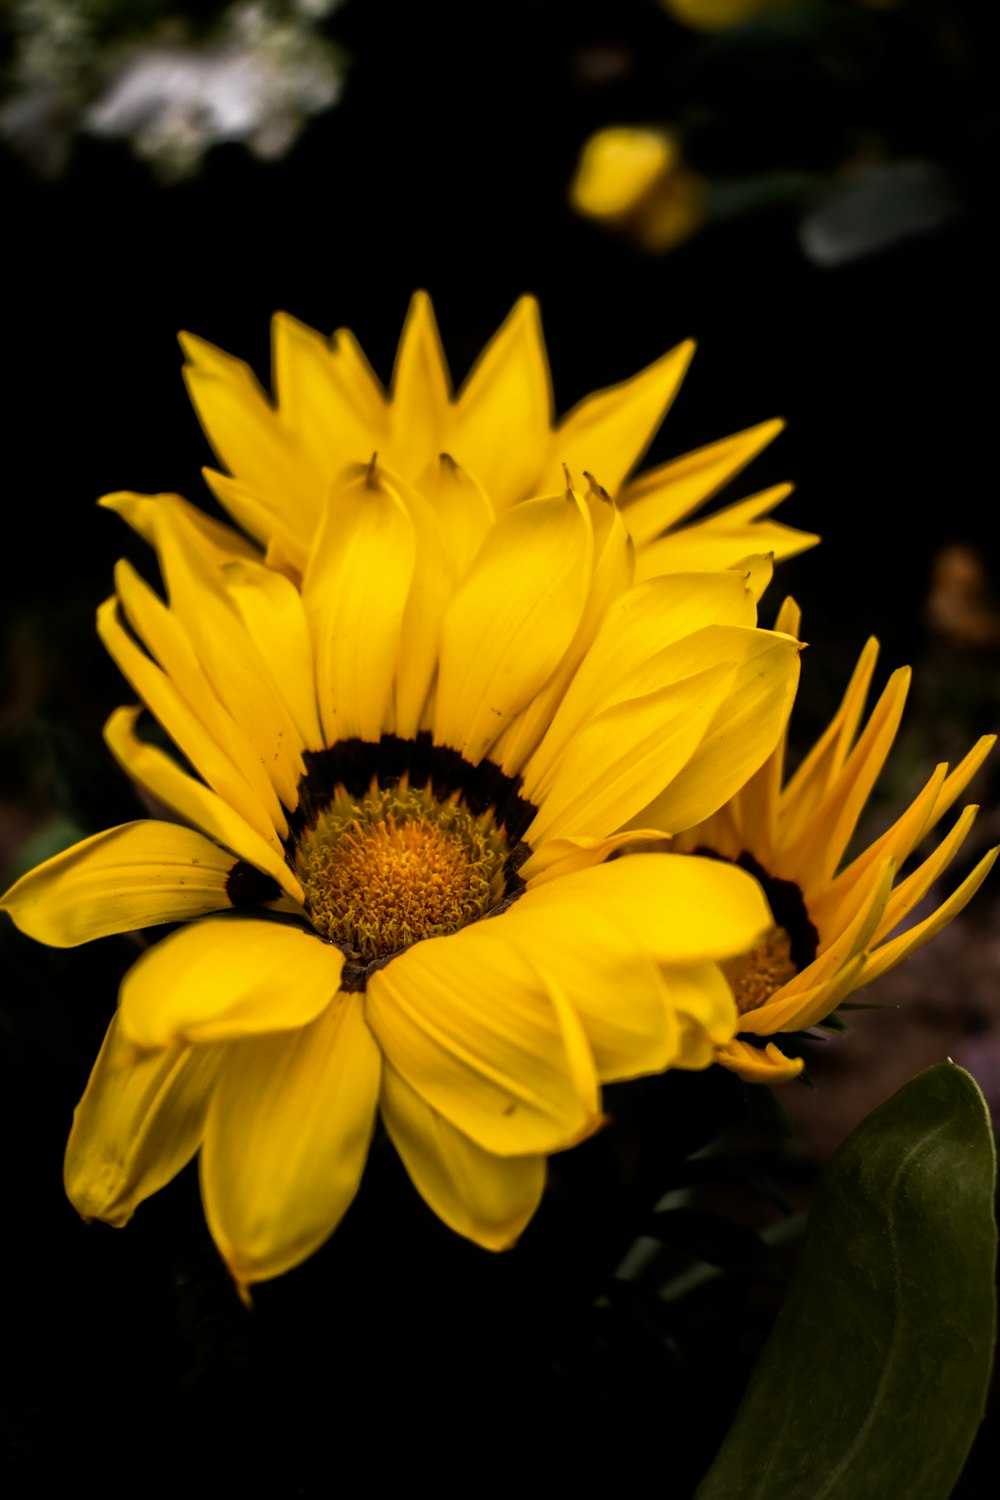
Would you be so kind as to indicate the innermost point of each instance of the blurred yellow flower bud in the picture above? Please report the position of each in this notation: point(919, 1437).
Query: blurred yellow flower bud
point(636, 180)
point(717, 15)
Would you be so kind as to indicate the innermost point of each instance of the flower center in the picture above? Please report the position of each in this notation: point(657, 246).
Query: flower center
point(755, 976)
point(396, 865)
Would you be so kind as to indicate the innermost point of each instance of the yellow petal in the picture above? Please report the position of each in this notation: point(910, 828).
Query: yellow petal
point(740, 735)
point(261, 515)
point(431, 589)
point(287, 1138)
point(814, 776)
point(219, 543)
point(212, 759)
point(596, 963)
point(705, 1010)
point(722, 540)
point(614, 565)
point(608, 432)
point(164, 635)
point(617, 761)
point(228, 656)
point(327, 412)
point(139, 1122)
point(464, 510)
point(421, 391)
point(512, 620)
point(136, 875)
point(471, 1027)
point(888, 955)
point(489, 1199)
point(153, 769)
point(679, 908)
point(270, 608)
point(638, 625)
point(665, 495)
point(248, 435)
point(225, 978)
point(508, 391)
point(759, 1065)
point(355, 593)
point(555, 858)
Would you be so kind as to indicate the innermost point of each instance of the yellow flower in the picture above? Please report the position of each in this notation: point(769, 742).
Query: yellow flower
point(636, 180)
point(392, 857)
point(837, 927)
point(330, 410)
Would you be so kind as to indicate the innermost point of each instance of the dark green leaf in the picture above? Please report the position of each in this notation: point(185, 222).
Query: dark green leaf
point(874, 1379)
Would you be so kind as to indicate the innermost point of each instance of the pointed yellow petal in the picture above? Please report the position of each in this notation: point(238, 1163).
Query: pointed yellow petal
point(219, 543)
point(722, 542)
point(807, 787)
point(509, 391)
point(488, 1199)
point(464, 510)
point(909, 892)
point(247, 433)
point(318, 401)
point(139, 1122)
point(257, 805)
point(431, 590)
point(617, 761)
point(892, 953)
point(511, 621)
point(286, 1141)
point(421, 391)
point(555, 858)
point(262, 516)
point(471, 1027)
point(225, 978)
point(679, 908)
point(638, 625)
point(665, 495)
point(756, 1065)
point(136, 875)
point(742, 732)
point(355, 593)
point(270, 608)
point(608, 432)
point(153, 769)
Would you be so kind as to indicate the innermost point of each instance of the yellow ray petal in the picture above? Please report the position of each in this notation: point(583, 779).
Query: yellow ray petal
point(819, 847)
point(665, 495)
point(508, 391)
point(511, 621)
point(489, 1199)
point(800, 1004)
point(355, 592)
point(270, 608)
point(153, 769)
point(286, 1140)
point(909, 892)
point(678, 908)
point(464, 510)
point(963, 773)
point(431, 590)
point(138, 1123)
point(558, 857)
point(616, 762)
point(261, 515)
point(638, 625)
point(247, 434)
point(220, 543)
point(742, 732)
point(420, 391)
point(256, 804)
point(595, 962)
point(358, 376)
point(472, 1029)
point(706, 1013)
point(225, 978)
point(705, 546)
point(756, 1065)
point(810, 782)
point(614, 564)
point(888, 955)
point(228, 656)
point(164, 635)
point(136, 875)
point(320, 403)
point(608, 432)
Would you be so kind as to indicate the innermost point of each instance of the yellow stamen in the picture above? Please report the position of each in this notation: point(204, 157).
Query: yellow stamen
point(397, 865)
point(757, 975)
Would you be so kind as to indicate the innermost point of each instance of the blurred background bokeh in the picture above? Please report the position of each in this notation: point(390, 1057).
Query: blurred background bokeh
point(805, 187)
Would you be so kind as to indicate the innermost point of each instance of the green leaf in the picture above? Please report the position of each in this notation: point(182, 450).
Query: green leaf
point(874, 1379)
